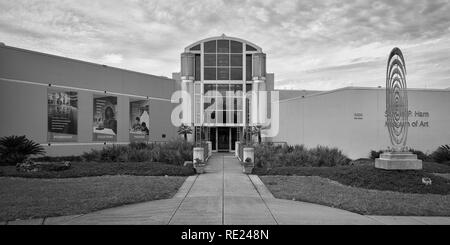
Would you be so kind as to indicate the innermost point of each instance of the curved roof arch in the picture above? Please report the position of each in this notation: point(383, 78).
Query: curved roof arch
point(223, 37)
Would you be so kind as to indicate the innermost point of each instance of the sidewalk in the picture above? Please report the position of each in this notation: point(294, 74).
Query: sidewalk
point(224, 195)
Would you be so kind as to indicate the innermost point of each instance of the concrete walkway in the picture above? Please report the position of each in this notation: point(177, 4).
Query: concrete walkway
point(224, 195)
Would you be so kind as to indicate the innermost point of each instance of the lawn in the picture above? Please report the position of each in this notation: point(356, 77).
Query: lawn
point(85, 169)
point(32, 198)
point(370, 202)
point(365, 176)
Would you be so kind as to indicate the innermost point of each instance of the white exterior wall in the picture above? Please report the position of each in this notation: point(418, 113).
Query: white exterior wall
point(23, 103)
point(329, 119)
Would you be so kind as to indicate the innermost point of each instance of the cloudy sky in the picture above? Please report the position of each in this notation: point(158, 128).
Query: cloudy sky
point(309, 44)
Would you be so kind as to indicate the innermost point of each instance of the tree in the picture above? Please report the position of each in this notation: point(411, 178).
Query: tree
point(16, 149)
point(256, 130)
point(184, 130)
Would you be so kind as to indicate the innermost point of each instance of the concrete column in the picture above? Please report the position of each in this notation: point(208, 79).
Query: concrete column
point(259, 106)
point(187, 104)
point(236, 148)
point(209, 148)
point(187, 85)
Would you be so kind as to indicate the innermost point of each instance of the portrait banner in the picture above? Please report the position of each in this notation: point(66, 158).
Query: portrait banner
point(105, 118)
point(139, 121)
point(62, 114)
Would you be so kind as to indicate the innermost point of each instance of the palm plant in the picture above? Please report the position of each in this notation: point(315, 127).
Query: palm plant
point(256, 131)
point(184, 130)
point(16, 149)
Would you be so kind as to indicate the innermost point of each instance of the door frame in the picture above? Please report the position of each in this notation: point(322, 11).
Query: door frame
point(229, 139)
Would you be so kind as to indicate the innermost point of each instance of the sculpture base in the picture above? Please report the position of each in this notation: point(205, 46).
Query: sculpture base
point(398, 161)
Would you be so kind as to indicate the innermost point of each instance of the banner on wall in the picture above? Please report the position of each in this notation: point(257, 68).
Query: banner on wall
point(139, 120)
point(105, 118)
point(62, 109)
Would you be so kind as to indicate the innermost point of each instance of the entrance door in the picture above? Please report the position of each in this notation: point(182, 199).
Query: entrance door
point(223, 139)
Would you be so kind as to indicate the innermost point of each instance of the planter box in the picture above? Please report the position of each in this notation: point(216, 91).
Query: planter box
point(189, 164)
point(249, 152)
point(199, 169)
point(198, 153)
point(247, 168)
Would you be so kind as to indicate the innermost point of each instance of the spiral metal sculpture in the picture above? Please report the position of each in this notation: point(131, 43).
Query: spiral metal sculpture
point(397, 99)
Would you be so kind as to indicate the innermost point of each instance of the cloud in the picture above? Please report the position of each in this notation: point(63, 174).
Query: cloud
point(309, 44)
point(112, 59)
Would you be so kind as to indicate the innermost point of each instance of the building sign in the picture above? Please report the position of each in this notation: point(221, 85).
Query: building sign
point(139, 120)
point(416, 119)
point(358, 116)
point(62, 112)
point(105, 118)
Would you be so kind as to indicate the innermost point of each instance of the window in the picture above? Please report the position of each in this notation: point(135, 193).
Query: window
point(197, 102)
point(210, 73)
point(209, 89)
point(236, 60)
point(223, 73)
point(250, 48)
point(196, 48)
point(210, 47)
point(236, 73)
point(223, 60)
point(223, 103)
point(248, 65)
point(197, 67)
point(236, 47)
point(248, 102)
point(223, 46)
point(224, 57)
point(210, 60)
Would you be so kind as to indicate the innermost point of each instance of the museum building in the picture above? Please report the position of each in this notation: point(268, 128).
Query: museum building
point(219, 73)
point(71, 106)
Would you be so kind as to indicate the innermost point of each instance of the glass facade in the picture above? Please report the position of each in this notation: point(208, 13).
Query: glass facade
point(223, 72)
point(223, 104)
point(223, 60)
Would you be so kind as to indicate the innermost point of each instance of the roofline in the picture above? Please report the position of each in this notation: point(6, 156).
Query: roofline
point(258, 48)
point(360, 88)
point(81, 61)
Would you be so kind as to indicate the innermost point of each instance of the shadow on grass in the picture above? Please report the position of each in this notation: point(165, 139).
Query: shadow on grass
point(368, 177)
point(86, 169)
point(35, 198)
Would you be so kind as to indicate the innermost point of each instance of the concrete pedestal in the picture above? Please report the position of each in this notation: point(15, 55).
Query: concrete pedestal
point(198, 153)
point(398, 161)
point(236, 148)
point(249, 153)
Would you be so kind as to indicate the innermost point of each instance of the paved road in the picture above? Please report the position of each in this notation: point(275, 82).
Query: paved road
point(224, 195)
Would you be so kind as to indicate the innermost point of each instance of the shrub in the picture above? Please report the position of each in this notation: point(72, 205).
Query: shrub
point(329, 157)
point(441, 154)
point(138, 145)
point(270, 156)
point(91, 156)
point(15, 149)
point(420, 155)
point(30, 166)
point(375, 154)
point(58, 159)
point(172, 152)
